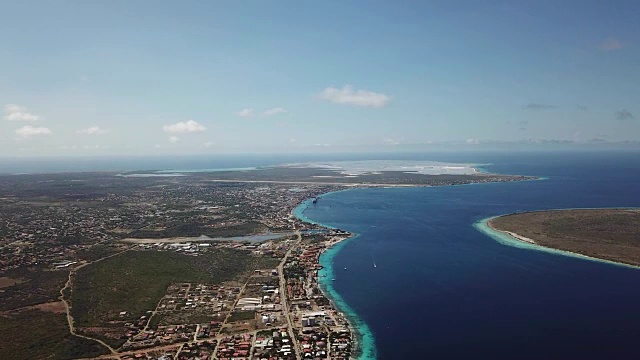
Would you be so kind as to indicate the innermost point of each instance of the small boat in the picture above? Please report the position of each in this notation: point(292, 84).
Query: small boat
point(345, 268)
point(374, 265)
point(333, 279)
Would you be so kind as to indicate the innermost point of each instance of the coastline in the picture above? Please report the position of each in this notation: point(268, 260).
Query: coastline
point(506, 238)
point(364, 342)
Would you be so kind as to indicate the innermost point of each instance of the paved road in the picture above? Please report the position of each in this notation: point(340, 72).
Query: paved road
point(116, 355)
point(283, 294)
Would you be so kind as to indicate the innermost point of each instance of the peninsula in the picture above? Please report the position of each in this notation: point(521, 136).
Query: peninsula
point(608, 234)
point(182, 264)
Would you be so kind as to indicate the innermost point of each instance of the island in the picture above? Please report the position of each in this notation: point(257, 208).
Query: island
point(183, 264)
point(607, 234)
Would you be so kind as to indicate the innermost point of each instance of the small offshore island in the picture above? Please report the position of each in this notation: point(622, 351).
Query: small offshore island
point(606, 234)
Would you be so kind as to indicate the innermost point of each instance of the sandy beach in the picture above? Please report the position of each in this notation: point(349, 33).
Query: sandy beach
point(512, 239)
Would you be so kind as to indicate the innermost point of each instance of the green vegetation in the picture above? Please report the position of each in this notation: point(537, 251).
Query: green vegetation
point(35, 334)
point(266, 262)
point(611, 234)
point(314, 238)
point(38, 285)
point(135, 282)
point(96, 252)
point(265, 333)
point(181, 317)
point(242, 316)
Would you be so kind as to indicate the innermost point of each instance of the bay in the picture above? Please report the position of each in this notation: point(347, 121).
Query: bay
point(442, 289)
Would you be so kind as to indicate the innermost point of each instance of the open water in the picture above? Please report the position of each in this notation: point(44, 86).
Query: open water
point(440, 288)
point(423, 283)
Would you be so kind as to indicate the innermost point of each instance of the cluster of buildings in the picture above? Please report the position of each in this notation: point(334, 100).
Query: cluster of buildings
point(211, 299)
point(341, 344)
point(319, 332)
point(251, 322)
point(192, 321)
point(323, 335)
point(202, 350)
point(182, 302)
point(237, 347)
point(168, 354)
point(259, 298)
point(46, 222)
point(199, 245)
point(316, 320)
point(314, 344)
point(273, 345)
point(28, 253)
point(163, 335)
point(259, 306)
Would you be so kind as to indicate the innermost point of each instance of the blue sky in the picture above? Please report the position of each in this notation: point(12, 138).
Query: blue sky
point(151, 77)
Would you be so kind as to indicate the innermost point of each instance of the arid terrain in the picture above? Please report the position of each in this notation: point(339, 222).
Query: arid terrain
point(610, 234)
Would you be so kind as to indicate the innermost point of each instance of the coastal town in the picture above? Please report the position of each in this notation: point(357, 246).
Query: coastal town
point(278, 313)
point(139, 266)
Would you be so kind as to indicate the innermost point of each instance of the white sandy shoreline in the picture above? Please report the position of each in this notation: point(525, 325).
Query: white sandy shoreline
point(516, 240)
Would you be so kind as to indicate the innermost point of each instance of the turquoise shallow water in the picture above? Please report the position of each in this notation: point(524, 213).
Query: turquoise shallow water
point(483, 226)
point(365, 348)
point(442, 289)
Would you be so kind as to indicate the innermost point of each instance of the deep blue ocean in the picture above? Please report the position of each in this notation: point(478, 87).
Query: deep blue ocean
point(443, 290)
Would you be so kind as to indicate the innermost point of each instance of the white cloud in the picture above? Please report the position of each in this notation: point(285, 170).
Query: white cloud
point(94, 130)
point(28, 131)
point(94, 147)
point(246, 112)
point(390, 141)
point(274, 111)
point(184, 127)
point(473, 141)
point(208, 144)
point(173, 139)
point(13, 112)
point(347, 95)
